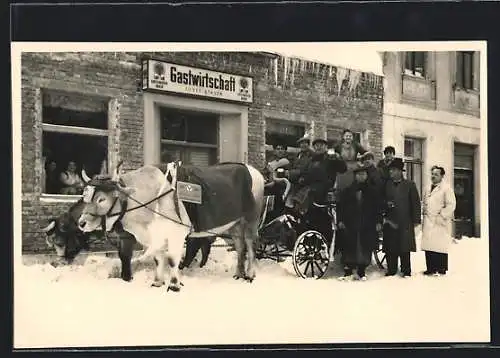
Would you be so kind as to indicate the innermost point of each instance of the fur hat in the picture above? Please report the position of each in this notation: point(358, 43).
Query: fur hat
point(397, 163)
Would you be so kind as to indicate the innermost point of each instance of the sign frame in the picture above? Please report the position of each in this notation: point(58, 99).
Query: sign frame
point(146, 62)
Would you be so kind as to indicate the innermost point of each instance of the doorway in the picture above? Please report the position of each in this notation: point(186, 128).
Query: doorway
point(464, 190)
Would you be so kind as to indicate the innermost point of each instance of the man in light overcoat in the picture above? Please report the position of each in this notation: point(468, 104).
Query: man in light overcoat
point(438, 208)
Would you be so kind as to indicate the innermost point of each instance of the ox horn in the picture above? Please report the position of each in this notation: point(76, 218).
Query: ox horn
point(116, 174)
point(85, 177)
point(50, 226)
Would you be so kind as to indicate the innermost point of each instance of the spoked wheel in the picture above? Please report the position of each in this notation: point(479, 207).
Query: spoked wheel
point(380, 257)
point(310, 255)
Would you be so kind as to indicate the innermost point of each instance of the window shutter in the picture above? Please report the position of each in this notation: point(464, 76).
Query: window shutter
point(408, 60)
point(475, 70)
point(459, 70)
point(200, 157)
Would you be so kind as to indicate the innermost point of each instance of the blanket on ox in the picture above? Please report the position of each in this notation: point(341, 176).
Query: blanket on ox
point(226, 194)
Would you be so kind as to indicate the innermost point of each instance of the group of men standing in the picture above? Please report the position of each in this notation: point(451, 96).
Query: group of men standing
point(371, 199)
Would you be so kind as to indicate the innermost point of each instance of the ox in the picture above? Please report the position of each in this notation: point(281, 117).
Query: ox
point(147, 203)
point(68, 240)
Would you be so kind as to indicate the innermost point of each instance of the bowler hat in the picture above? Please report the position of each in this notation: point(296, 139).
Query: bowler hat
point(397, 163)
point(319, 140)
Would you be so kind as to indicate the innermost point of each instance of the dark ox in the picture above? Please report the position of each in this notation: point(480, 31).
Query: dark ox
point(68, 240)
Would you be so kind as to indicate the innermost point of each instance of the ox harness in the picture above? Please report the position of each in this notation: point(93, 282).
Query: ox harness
point(108, 185)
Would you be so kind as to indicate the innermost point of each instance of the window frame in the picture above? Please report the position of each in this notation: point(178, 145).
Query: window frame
point(290, 150)
point(186, 144)
point(418, 161)
point(410, 70)
point(63, 129)
point(359, 133)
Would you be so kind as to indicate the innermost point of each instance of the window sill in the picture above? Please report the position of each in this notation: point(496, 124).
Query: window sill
point(416, 77)
point(59, 198)
point(467, 90)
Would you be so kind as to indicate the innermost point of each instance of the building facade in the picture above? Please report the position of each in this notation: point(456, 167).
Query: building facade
point(95, 109)
point(432, 117)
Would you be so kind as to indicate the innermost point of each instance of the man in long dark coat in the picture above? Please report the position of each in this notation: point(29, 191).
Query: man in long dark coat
point(320, 177)
point(403, 210)
point(359, 216)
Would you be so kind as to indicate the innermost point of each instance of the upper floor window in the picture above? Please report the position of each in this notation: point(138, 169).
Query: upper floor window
point(415, 64)
point(465, 69)
point(282, 132)
point(74, 137)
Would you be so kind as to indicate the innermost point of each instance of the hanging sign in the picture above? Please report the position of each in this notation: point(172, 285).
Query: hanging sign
point(169, 77)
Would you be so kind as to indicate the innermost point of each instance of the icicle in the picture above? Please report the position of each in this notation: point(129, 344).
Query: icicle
point(285, 70)
point(354, 77)
point(341, 75)
point(250, 69)
point(302, 66)
point(275, 69)
point(292, 75)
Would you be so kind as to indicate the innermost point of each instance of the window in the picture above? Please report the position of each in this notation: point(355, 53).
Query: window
point(74, 134)
point(415, 64)
point(413, 161)
point(465, 69)
point(283, 133)
point(334, 136)
point(189, 136)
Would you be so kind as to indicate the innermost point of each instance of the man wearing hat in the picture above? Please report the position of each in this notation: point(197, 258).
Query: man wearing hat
point(402, 215)
point(320, 177)
point(359, 215)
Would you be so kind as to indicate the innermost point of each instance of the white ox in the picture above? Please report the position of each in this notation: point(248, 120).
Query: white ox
point(163, 224)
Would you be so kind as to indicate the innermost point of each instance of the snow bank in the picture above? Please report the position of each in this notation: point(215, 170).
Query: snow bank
point(86, 305)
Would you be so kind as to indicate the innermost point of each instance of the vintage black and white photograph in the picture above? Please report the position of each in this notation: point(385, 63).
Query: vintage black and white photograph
point(250, 193)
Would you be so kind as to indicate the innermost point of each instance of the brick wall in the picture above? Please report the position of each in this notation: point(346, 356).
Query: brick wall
point(303, 92)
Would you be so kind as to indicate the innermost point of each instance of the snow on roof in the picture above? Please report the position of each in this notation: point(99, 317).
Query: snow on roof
point(368, 61)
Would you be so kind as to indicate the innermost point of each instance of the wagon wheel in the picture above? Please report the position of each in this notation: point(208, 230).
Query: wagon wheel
point(310, 255)
point(380, 257)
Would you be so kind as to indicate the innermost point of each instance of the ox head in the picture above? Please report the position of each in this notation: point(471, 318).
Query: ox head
point(103, 195)
point(62, 234)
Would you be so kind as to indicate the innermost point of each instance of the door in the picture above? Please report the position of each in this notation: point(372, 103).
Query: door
point(464, 193)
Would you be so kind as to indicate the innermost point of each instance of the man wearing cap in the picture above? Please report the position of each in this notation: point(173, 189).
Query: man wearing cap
point(374, 174)
point(359, 215)
point(320, 177)
point(402, 215)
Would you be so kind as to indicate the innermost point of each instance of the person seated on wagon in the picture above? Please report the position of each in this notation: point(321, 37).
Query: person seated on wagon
point(320, 177)
point(72, 182)
point(299, 166)
point(276, 169)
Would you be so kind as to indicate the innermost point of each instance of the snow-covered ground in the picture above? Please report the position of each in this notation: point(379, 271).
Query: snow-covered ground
point(80, 306)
